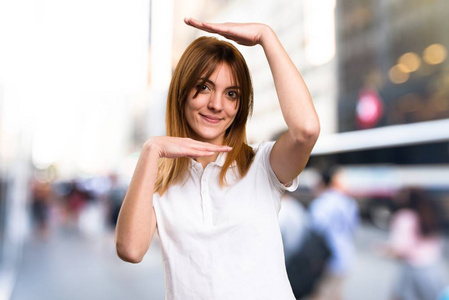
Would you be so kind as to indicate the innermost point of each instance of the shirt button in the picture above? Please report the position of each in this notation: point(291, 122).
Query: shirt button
point(203, 192)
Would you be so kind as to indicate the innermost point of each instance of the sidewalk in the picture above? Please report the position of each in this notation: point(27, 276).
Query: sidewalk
point(69, 266)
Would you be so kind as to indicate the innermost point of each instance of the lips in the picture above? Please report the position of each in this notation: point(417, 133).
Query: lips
point(211, 118)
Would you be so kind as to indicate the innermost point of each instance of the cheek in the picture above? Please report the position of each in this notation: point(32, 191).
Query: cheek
point(232, 109)
point(197, 103)
point(188, 112)
point(191, 104)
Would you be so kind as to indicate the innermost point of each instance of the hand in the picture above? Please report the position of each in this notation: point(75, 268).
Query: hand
point(173, 147)
point(247, 34)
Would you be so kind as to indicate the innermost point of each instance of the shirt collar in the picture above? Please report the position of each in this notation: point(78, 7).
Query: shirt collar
point(221, 158)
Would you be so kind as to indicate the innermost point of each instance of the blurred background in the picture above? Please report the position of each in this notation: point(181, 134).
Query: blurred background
point(83, 85)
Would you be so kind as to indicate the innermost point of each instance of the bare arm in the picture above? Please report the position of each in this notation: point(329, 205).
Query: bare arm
point(137, 220)
point(292, 150)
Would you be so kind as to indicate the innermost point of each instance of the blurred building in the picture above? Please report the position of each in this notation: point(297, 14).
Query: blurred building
point(393, 101)
point(396, 53)
point(393, 82)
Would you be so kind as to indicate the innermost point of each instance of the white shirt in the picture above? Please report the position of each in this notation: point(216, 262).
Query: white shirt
point(224, 242)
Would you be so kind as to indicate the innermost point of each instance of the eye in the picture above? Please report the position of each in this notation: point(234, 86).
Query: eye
point(202, 87)
point(233, 94)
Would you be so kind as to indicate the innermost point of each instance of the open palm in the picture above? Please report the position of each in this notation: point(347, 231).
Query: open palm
point(247, 34)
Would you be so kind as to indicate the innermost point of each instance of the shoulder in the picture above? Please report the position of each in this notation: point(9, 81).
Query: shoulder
point(263, 147)
point(262, 162)
point(262, 156)
point(263, 150)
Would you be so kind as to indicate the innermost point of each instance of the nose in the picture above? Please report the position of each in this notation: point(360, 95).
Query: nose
point(215, 102)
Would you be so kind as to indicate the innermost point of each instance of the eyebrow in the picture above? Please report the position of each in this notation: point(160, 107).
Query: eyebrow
point(204, 80)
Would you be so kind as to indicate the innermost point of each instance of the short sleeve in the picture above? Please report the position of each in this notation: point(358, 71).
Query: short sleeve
point(263, 154)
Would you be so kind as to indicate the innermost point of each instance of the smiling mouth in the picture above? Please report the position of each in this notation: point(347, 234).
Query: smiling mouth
point(211, 119)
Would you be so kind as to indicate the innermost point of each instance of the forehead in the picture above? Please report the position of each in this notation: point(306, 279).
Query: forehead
point(220, 71)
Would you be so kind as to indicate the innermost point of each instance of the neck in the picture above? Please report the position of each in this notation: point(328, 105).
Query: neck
point(205, 160)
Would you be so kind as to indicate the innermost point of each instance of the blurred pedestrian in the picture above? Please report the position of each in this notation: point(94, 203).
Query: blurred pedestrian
point(416, 240)
point(76, 201)
point(214, 199)
point(335, 215)
point(40, 206)
point(293, 223)
point(306, 251)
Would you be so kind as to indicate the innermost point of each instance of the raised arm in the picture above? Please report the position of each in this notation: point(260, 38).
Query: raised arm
point(292, 150)
point(137, 219)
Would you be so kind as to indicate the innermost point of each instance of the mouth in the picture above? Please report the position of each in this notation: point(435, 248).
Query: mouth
point(210, 118)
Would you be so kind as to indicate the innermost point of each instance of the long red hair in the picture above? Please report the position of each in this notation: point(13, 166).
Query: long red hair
point(199, 61)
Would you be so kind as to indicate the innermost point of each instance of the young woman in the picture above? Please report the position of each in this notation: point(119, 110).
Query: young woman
point(213, 199)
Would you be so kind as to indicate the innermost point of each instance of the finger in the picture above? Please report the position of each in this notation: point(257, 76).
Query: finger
point(209, 27)
point(200, 153)
point(193, 142)
point(220, 29)
point(227, 33)
point(197, 154)
point(192, 153)
point(220, 149)
point(194, 23)
point(211, 147)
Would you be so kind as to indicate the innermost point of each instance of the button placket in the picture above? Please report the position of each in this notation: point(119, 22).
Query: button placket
point(205, 196)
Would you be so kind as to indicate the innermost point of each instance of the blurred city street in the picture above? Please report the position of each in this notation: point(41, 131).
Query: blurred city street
point(78, 100)
point(70, 266)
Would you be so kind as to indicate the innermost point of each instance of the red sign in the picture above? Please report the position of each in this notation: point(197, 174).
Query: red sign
point(369, 109)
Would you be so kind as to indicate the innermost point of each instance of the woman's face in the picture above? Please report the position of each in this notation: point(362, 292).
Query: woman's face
point(214, 108)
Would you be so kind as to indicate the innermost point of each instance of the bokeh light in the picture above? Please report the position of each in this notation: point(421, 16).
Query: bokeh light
point(409, 62)
point(398, 75)
point(435, 54)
